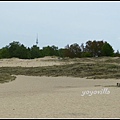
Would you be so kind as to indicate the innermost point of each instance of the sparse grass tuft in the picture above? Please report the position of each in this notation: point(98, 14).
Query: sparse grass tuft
point(5, 77)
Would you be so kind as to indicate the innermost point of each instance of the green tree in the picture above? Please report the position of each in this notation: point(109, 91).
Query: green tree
point(23, 52)
point(75, 50)
point(94, 48)
point(61, 52)
point(55, 50)
point(18, 50)
point(35, 52)
point(47, 51)
point(4, 52)
point(107, 50)
point(72, 51)
point(50, 51)
point(14, 48)
point(66, 51)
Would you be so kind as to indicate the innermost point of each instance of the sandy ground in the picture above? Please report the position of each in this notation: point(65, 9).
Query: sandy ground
point(49, 61)
point(58, 97)
point(15, 62)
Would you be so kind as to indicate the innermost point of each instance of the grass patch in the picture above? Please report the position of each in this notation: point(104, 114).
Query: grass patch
point(89, 70)
point(92, 68)
point(5, 77)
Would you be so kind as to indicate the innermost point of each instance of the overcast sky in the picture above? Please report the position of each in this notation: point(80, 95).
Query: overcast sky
point(59, 23)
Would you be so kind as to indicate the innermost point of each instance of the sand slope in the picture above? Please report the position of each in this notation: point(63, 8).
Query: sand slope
point(15, 62)
point(58, 97)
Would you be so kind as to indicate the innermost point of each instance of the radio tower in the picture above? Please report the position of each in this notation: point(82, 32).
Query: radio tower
point(37, 40)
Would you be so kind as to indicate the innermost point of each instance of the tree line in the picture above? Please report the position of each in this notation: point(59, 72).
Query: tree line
point(90, 49)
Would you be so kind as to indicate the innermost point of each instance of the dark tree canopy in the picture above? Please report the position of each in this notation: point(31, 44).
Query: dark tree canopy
point(90, 49)
point(107, 50)
point(94, 48)
point(35, 52)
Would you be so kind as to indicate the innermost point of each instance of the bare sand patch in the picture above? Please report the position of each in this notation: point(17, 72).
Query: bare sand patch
point(58, 97)
point(15, 62)
point(51, 61)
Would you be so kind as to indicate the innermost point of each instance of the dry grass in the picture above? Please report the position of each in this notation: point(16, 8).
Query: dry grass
point(5, 77)
point(93, 68)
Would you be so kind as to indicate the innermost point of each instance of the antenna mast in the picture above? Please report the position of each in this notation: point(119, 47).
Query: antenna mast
point(37, 40)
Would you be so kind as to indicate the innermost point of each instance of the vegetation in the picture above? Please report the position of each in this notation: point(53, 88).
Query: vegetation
point(107, 50)
point(94, 69)
point(91, 49)
point(6, 77)
point(91, 68)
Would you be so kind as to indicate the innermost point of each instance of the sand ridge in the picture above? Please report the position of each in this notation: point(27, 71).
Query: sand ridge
point(15, 62)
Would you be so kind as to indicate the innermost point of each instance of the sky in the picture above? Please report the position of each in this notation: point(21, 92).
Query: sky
point(59, 23)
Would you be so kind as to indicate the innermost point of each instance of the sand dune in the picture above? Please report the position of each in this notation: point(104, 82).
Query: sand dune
point(58, 97)
point(15, 62)
point(50, 61)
